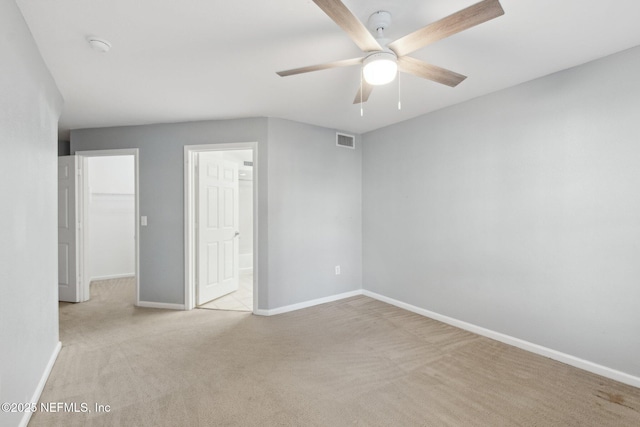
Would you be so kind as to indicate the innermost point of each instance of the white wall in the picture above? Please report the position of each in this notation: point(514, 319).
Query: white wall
point(29, 108)
point(111, 217)
point(518, 212)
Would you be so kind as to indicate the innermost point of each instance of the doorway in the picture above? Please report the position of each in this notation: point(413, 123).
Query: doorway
point(109, 206)
point(220, 219)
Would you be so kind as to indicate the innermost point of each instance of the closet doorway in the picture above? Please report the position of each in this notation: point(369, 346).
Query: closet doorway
point(109, 207)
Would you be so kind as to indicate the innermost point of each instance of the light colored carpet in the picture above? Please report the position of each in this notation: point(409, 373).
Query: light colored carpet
point(352, 362)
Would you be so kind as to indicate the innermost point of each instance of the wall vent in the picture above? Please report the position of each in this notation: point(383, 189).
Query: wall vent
point(344, 140)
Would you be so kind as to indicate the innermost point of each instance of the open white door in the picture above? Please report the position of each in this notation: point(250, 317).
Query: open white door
point(69, 280)
point(217, 226)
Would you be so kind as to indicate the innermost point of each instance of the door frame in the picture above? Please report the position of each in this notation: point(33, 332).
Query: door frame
point(190, 153)
point(83, 162)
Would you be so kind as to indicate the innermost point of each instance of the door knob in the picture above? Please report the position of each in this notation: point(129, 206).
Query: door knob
point(237, 234)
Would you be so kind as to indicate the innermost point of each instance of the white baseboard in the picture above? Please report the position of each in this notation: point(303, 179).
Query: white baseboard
point(164, 305)
point(516, 342)
point(113, 276)
point(306, 304)
point(43, 381)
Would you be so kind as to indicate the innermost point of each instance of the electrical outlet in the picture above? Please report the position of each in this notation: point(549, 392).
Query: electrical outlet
point(337, 270)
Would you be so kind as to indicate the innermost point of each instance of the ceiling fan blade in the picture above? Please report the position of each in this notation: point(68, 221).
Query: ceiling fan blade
point(326, 65)
point(366, 91)
point(452, 24)
point(430, 72)
point(342, 16)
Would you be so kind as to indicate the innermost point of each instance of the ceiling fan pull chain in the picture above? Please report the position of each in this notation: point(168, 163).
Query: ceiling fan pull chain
point(399, 93)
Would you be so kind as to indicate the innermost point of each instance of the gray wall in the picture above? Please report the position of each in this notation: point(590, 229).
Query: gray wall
point(309, 206)
point(29, 107)
point(161, 186)
point(314, 213)
point(518, 211)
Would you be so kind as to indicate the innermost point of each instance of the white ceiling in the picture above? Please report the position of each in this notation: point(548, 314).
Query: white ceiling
point(186, 60)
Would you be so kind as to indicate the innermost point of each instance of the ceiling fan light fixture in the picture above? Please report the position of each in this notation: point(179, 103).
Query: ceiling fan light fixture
point(380, 68)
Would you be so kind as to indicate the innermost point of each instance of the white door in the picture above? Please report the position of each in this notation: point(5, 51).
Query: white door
point(68, 266)
point(217, 226)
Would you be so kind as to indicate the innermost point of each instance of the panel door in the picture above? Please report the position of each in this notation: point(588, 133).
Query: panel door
point(68, 278)
point(217, 227)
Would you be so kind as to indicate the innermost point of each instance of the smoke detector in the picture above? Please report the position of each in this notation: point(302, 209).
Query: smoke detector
point(101, 45)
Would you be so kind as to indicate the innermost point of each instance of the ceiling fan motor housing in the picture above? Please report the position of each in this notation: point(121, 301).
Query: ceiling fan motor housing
point(379, 21)
point(380, 67)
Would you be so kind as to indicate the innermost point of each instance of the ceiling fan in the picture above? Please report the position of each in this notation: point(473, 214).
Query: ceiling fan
point(382, 59)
